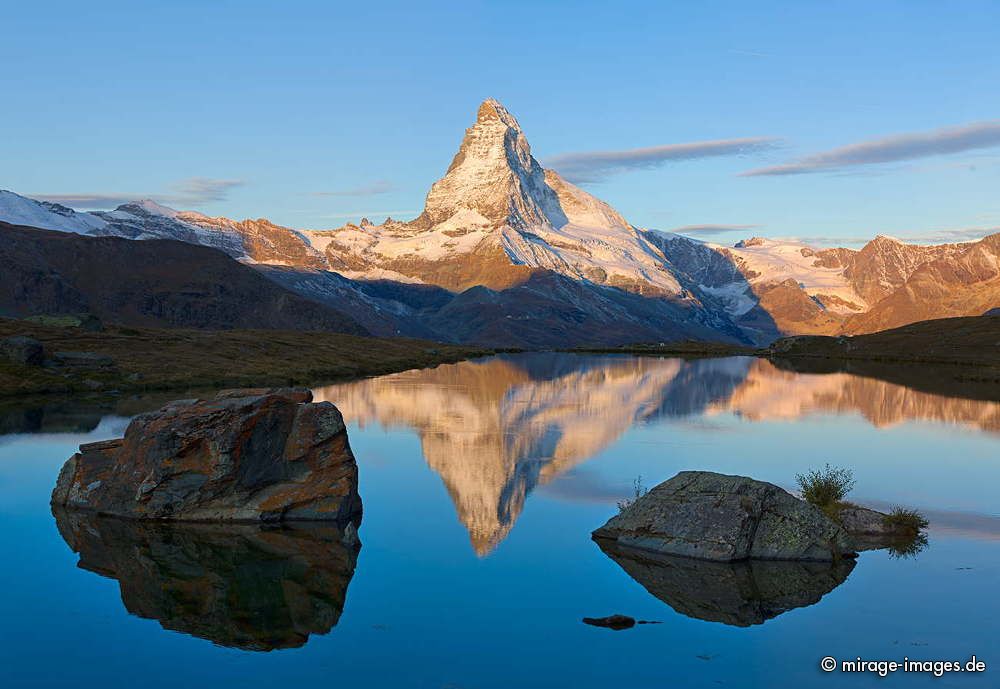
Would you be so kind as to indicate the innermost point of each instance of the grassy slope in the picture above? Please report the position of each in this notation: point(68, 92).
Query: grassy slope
point(973, 341)
point(157, 359)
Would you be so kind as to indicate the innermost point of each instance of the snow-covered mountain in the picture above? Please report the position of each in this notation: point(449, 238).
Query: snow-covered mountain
point(20, 210)
point(771, 286)
point(495, 216)
point(506, 252)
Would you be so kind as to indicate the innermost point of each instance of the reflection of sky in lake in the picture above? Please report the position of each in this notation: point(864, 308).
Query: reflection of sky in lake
point(535, 453)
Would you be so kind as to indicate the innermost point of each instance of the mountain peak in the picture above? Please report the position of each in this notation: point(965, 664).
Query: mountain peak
point(493, 110)
point(148, 207)
point(493, 179)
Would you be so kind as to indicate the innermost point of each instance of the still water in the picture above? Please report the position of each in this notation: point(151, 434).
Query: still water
point(481, 484)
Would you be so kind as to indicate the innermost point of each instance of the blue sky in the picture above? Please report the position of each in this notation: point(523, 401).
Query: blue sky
point(315, 113)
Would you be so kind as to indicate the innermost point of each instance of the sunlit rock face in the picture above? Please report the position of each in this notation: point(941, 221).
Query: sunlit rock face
point(242, 455)
point(740, 594)
point(495, 429)
point(243, 586)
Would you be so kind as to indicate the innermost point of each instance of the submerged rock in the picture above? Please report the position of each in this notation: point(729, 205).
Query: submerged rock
point(712, 516)
point(244, 455)
point(246, 586)
point(734, 593)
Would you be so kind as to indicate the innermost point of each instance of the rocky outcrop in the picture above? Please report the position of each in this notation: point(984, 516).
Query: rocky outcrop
point(25, 351)
point(239, 585)
point(244, 455)
point(711, 516)
point(734, 593)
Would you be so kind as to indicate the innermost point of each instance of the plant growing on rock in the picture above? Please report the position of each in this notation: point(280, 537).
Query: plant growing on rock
point(826, 488)
point(638, 490)
point(906, 521)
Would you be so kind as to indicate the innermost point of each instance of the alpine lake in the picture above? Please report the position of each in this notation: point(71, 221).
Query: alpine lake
point(482, 482)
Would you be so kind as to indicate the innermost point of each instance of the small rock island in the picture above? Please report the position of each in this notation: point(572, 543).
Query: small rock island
point(258, 455)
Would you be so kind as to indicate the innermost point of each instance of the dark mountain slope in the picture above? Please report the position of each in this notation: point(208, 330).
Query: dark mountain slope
point(154, 283)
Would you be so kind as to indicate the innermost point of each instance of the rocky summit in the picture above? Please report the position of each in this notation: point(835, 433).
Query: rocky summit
point(243, 455)
point(711, 516)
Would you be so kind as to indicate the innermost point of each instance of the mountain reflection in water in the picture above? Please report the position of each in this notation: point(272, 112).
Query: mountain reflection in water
point(242, 586)
point(494, 429)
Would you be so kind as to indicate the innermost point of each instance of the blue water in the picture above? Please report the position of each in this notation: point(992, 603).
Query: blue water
point(481, 483)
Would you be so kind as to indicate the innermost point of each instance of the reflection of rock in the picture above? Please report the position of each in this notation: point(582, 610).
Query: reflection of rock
point(737, 593)
point(712, 516)
point(57, 417)
point(243, 455)
point(245, 586)
point(616, 622)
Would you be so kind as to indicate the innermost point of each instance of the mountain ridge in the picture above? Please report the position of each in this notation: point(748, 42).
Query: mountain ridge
point(498, 230)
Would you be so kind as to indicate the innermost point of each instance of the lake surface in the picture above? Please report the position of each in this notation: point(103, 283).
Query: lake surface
point(481, 484)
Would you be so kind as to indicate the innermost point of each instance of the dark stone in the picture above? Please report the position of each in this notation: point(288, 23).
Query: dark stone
point(250, 455)
point(711, 516)
point(616, 622)
point(22, 350)
point(83, 360)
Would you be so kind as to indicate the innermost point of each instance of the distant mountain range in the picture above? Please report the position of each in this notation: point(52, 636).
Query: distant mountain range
point(508, 253)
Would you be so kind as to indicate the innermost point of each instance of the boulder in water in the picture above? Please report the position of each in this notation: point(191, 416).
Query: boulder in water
point(712, 516)
point(244, 455)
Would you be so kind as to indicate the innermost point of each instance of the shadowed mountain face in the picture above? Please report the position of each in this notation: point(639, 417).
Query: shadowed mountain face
point(740, 594)
point(148, 284)
point(242, 586)
point(495, 429)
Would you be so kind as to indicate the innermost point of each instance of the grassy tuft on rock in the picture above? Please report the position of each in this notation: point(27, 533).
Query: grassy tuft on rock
point(826, 488)
point(906, 520)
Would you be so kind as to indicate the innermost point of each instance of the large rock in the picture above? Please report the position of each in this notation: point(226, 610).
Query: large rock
point(734, 593)
point(22, 350)
point(249, 586)
point(713, 516)
point(245, 455)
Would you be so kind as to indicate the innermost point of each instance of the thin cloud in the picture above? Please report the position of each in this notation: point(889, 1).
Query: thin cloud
point(596, 166)
point(193, 191)
point(945, 236)
point(965, 234)
point(197, 190)
point(891, 149)
point(369, 214)
point(375, 188)
point(88, 201)
point(712, 229)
